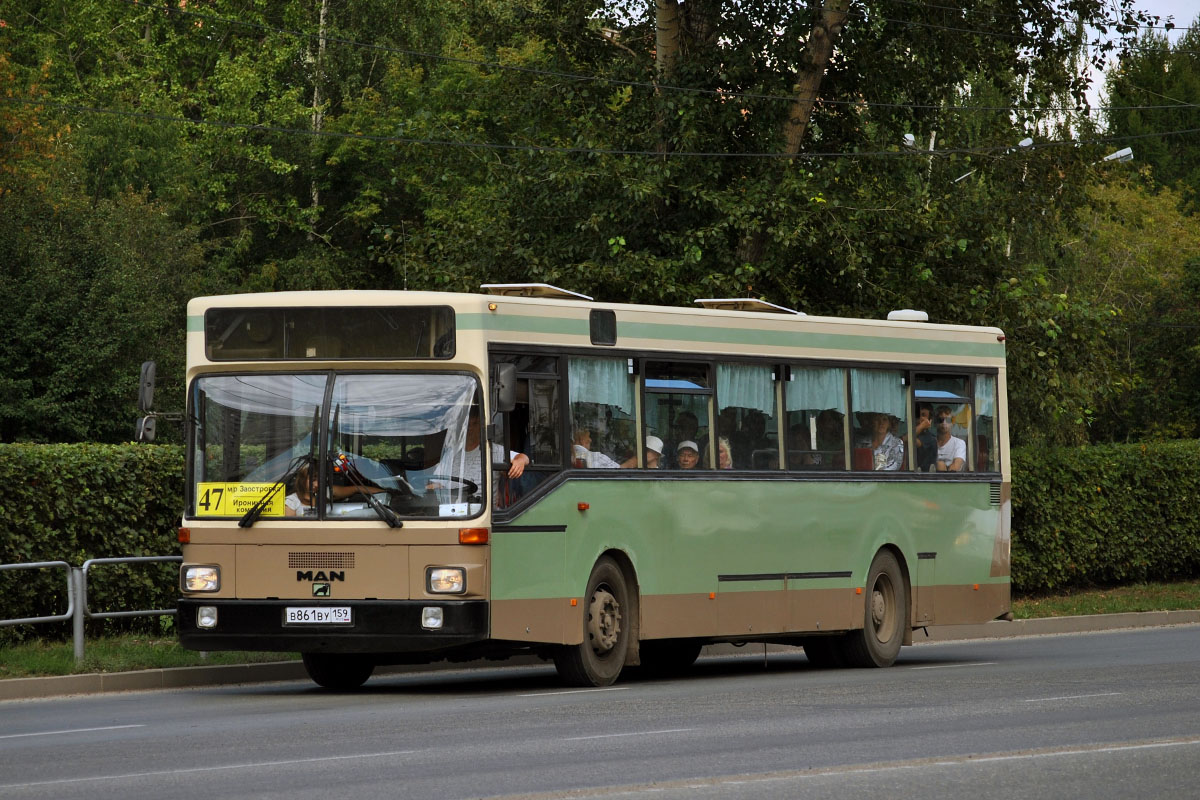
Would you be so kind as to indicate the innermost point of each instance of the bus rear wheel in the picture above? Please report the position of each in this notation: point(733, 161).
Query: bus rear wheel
point(884, 618)
point(597, 661)
point(337, 670)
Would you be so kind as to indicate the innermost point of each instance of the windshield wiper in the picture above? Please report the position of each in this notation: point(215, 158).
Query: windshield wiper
point(256, 510)
point(341, 464)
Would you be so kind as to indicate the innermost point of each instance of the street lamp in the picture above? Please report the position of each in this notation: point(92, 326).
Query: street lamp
point(1122, 155)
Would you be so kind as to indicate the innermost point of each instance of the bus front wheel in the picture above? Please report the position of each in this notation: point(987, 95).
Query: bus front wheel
point(337, 671)
point(598, 660)
point(884, 619)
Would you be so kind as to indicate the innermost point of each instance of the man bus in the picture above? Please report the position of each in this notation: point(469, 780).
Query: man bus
point(414, 537)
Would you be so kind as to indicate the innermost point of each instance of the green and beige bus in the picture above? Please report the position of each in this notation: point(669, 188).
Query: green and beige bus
point(652, 479)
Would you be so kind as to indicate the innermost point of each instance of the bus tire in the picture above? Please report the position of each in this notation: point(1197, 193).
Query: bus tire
point(885, 616)
point(662, 658)
point(336, 670)
point(598, 660)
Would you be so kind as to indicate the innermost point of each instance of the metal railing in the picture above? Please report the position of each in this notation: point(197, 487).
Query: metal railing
point(77, 610)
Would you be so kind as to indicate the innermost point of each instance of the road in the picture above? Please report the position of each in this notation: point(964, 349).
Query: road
point(1107, 715)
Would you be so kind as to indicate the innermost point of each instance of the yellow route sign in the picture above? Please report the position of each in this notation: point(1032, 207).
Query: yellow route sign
point(235, 499)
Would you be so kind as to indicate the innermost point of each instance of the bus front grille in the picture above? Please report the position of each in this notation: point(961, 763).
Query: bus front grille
point(320, 560)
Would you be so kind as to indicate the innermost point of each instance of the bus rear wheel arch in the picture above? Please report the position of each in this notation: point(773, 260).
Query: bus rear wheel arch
point(609, 625)
point(885, 615)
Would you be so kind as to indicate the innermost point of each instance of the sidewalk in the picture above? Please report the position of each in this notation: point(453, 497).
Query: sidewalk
point(183, 677)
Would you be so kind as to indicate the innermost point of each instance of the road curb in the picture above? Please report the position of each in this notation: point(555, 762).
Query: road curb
point(277, 671)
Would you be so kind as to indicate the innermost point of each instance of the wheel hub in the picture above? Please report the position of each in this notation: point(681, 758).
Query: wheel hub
point(604, 621)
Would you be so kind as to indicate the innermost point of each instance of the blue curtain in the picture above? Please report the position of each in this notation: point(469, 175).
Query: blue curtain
point(816, 389)
point(877, 390)
point(745, 386)
point(604, 381)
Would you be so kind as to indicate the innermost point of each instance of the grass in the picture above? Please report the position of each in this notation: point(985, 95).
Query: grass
point(1116, 600)
point(115, 654)
point(133, 652)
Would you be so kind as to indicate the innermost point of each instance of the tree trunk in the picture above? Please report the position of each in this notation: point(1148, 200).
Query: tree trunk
point(813, 62)
point(668, 39)
point(318, 116)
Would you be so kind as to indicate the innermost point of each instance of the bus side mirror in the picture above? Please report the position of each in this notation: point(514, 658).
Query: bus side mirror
point(145, 429)
point(504, 384)
point(146, 389)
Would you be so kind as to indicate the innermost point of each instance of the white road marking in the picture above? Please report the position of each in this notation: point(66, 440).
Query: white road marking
point(69, 730)
point(193, 770)
point(955, 666)
point(632, 733)
point(1073, 697)
point(576, 691)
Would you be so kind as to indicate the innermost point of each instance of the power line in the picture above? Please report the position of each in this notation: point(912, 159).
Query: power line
point(722, 94)
point(531, 148)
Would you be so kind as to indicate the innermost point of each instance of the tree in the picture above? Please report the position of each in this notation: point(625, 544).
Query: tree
point(1154, 89)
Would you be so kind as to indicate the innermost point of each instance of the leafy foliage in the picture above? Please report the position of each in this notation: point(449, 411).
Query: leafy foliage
point(77, 502)
point(1104, 515)
point(315, 145)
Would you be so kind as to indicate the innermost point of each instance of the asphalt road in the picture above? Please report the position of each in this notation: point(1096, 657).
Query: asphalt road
point(1105, 715)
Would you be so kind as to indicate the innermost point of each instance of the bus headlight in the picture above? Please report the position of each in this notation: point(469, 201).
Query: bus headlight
point(206, 617)
point(205, 578)
point(431, 618)
point(445, 580)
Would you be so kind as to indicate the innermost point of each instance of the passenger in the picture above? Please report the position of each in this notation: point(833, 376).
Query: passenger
point(303, 501)
point(654, 448)
point(800, 453)
point(887, 449)
point(585, 457)
point(830, 430)
point(724, 454)
point(687, 454)
point(951, 450)
point(926, 451)
point(751, 441)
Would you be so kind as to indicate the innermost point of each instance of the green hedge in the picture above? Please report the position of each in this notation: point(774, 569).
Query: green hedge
point(1104, 515)
point(72, 502)
point(1099, 515)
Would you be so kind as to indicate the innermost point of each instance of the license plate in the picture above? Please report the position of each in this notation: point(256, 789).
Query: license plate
point(324, 615)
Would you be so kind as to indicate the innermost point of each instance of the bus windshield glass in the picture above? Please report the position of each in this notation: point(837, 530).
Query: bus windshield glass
point(394, 445)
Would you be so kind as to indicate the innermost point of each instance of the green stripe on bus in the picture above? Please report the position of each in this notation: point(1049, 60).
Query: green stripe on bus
point(195, 324)
point(698, 333)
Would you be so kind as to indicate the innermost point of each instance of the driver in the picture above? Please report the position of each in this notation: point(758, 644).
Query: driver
point(471, 464)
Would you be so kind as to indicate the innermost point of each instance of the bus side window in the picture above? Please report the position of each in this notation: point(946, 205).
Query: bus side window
point(603, 427)
point(815, 420)
point(939, 447)
point(747, 424)
point(985, 424)
point(678, 409)
point(532, 427)
point(879, 418)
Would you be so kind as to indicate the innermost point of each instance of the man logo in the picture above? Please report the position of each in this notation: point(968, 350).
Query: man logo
point(320, 590)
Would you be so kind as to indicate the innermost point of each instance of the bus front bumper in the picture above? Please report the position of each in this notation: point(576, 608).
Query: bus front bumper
point(375, 626)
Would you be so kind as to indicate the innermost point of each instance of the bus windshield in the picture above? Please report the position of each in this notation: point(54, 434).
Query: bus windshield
point(408, 442)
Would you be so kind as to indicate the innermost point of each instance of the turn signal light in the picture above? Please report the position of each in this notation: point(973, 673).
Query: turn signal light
point(185, 535)
point(472, 535)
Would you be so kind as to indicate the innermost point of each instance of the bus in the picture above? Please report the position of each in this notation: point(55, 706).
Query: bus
point(395, 477)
